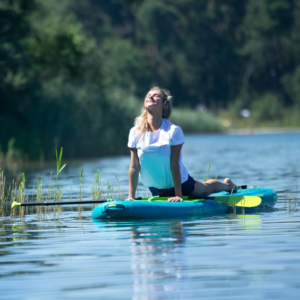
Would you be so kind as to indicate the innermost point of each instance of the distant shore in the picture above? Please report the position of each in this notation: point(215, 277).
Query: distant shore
point(242, 131)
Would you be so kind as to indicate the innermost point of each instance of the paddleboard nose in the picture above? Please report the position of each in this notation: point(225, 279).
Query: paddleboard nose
point(113, 207)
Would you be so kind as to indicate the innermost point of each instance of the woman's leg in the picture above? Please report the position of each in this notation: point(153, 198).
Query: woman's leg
point(213, 186)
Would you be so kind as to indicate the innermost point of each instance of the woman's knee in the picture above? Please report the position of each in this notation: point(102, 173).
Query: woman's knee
point(227, 180)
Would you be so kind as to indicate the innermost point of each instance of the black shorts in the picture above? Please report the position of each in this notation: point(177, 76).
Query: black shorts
point(186, 188)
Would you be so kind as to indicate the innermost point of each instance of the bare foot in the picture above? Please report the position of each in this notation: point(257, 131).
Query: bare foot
point(233, 187)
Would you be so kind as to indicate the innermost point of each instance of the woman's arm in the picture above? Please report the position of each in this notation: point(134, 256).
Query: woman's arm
point(175, 171)
point(133, 173)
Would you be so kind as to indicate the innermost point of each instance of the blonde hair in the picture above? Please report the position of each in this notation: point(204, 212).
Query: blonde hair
point(141, 123)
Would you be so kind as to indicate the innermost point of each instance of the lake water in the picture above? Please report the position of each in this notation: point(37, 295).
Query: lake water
point(66, 255)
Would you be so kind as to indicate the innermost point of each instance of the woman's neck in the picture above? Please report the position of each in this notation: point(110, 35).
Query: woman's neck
point(154, 122)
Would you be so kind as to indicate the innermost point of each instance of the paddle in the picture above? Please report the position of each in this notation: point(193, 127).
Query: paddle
point(241, 201)
point(231, 200)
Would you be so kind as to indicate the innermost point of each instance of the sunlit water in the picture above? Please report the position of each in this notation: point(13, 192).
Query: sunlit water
point(69, 256)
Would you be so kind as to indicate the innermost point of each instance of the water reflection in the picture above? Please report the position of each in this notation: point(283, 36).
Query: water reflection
point(155, 259)
point(159, 261)
point(249, 222)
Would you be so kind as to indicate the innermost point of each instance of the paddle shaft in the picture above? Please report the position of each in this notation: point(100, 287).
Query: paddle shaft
point(62, 202)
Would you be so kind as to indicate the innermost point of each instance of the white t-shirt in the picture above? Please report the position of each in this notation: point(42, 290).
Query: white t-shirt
point(154, 152)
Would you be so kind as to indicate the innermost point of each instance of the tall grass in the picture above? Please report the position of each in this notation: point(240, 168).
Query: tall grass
point(58, 162)
point(13, 192)
point(97, 187)
point(16, 191)
point(2, 193)
point(81, 189)
point(193, 121)
point(59, 168)
point(291, 200)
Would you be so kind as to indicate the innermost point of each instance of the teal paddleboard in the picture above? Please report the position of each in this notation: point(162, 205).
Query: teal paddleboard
point(143, 209)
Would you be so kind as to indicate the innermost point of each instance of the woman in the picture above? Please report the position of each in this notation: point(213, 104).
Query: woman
point(155, 146)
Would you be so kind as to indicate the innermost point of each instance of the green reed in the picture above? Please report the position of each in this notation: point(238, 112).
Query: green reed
point(58, 191)
point(50, 187)
point(58, 162)
point(97, 187)
point(291, 200)
point(207, 175)
point(110, 190)
point(2, 193)
point(81, 189)
point(17, 191)
point(40, 195)
point(21, 195)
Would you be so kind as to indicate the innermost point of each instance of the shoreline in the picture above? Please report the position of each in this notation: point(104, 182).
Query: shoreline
point(244, 131)
point(27, 164)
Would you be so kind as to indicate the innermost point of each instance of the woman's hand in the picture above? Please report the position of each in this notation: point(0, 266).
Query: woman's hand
point(175, 199)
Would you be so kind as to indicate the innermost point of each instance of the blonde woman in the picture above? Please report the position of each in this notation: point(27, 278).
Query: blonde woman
point(155, 146)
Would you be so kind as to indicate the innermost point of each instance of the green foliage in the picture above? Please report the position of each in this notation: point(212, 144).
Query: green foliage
point(74, 73)
point(266, 108)
point(291, 82)
point(268, 28)
point(194, 121)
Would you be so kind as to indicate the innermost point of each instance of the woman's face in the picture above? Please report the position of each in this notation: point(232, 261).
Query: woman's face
point(154, 100)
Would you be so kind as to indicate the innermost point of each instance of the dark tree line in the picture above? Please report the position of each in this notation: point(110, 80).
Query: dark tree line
point(73, 73)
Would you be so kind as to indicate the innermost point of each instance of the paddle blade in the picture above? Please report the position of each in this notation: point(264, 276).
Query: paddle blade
point(241, 201)
point(15, 204)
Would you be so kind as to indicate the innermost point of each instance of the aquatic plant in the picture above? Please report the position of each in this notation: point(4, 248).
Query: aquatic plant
point(40, 193)
point(2, 193)
point(207, 175)
point(97, 187)
point(110, 190)
point(21, 189)
point(291, 200)
point(58, 162)
point(81, 189)
point(58, 191)
point(16, 191)
point(21, 194)
point(50, 187)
